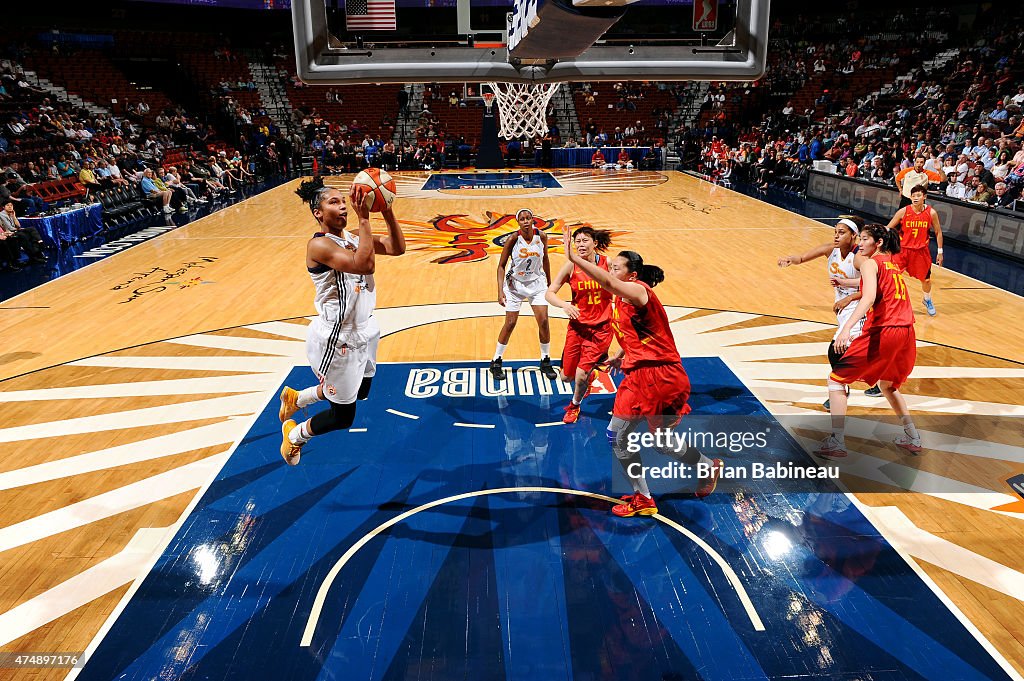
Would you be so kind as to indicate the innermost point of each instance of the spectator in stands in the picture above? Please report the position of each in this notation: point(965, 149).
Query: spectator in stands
point(571, 143)
point(852, 169)
point(956, 189)
point(1003, 197)
point(20, 238)
point(151, 189)
point(982, 194)
point(88, 178)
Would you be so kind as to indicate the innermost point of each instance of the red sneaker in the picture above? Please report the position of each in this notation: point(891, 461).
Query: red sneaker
point(638, 504)
point(709, 483)
point(572, 413)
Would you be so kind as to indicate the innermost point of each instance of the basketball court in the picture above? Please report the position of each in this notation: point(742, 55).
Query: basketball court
point(459, 529)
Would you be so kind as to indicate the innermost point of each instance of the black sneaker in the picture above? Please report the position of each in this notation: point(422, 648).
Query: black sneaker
point(547, 369)
point(873, 391)
point(496, 371)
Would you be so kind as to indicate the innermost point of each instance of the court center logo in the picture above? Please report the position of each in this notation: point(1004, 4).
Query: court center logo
point(464, 238)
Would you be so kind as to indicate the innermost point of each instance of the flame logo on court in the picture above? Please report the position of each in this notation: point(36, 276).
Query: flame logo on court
point(473, 240)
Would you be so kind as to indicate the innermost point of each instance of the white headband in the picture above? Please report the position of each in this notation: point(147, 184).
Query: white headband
point(524, 210)
point(851, 224)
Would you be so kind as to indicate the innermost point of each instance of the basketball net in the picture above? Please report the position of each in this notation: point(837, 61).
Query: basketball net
point(523, 108)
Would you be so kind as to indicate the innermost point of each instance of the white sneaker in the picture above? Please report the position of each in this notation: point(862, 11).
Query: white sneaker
point(168, 210)
point(911, 444)
point(831, 448)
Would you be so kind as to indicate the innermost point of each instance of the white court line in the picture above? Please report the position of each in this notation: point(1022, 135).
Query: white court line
point(402, 413)
point(472, 425)
point(548, 425)
point(357, 430)
point(321, 596)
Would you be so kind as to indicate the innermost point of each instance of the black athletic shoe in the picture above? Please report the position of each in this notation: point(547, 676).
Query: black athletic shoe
point(496, 371)
point(547, 369)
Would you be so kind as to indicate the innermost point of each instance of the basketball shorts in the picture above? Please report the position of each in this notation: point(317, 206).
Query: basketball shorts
point(338, 366)
point(530, 292)
point(657, 393)
point(373, 329)
point(917, 262)
point(585, 346)
point(885, 353)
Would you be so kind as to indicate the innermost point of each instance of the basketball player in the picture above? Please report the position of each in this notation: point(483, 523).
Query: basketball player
point(589, 334)
point(913, 255)
point(341, 343)
point(844, 276)
point(885, 352)
point(527, 280)
point(656, 387)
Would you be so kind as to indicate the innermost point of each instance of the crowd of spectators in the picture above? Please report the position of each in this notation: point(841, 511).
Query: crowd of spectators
point(961, 122)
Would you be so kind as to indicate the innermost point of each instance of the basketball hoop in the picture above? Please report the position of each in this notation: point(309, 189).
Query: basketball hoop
point(523, 108)
point(488, 100)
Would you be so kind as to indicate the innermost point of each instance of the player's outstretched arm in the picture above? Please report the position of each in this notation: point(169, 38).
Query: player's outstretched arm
point(816, 252)
point(551, 295)
point(938, 237)
point(394, 242)
point(630, 291)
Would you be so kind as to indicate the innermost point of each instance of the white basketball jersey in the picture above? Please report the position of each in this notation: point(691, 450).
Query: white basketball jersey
point(527, 260)
point(343, 301)
point(838, 266)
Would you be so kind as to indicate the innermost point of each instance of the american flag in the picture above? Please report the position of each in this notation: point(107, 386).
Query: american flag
point(370, 15)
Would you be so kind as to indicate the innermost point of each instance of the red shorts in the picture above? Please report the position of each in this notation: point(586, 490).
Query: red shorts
point(885, 353)
point(585, 346)
point(917, 262)
point(654, 393)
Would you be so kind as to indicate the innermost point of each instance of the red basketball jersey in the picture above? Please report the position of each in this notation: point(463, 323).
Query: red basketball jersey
point(592, 300)
point(914, 233)
point(643, 332)
point(892, 303)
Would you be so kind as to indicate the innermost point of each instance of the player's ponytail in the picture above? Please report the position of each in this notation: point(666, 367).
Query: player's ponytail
point(312, 192)
point(652, 275)
point(602, 237)
point(888, 239)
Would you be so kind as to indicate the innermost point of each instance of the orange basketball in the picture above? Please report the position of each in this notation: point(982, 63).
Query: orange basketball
point(375, 188)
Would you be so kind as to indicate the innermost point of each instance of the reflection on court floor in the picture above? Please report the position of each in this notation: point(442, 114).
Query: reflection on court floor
point(519, 583)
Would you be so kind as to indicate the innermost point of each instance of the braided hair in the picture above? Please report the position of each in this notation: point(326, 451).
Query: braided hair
point(652, 275)
point(602, 237)
point(313, 192)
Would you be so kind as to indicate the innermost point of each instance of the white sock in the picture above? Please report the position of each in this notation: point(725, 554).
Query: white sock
point(840, 437)
point(927, 296)
point(909, 428)
point(499, 350)
point(300, 434)
point(706, 461)
point(545, 350)
point(307, 397)
point(640, 485)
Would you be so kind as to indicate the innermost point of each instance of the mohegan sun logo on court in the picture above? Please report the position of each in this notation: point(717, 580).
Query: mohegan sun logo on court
point(473, 240)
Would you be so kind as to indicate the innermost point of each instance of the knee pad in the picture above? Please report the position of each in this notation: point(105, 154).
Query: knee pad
point(836, 386)
point(338, 417)
point(364, 388)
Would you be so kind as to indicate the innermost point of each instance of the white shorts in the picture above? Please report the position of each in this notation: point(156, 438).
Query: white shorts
point(340, 368)
point(371, 348)
point(531, 292)
point(844, 315)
